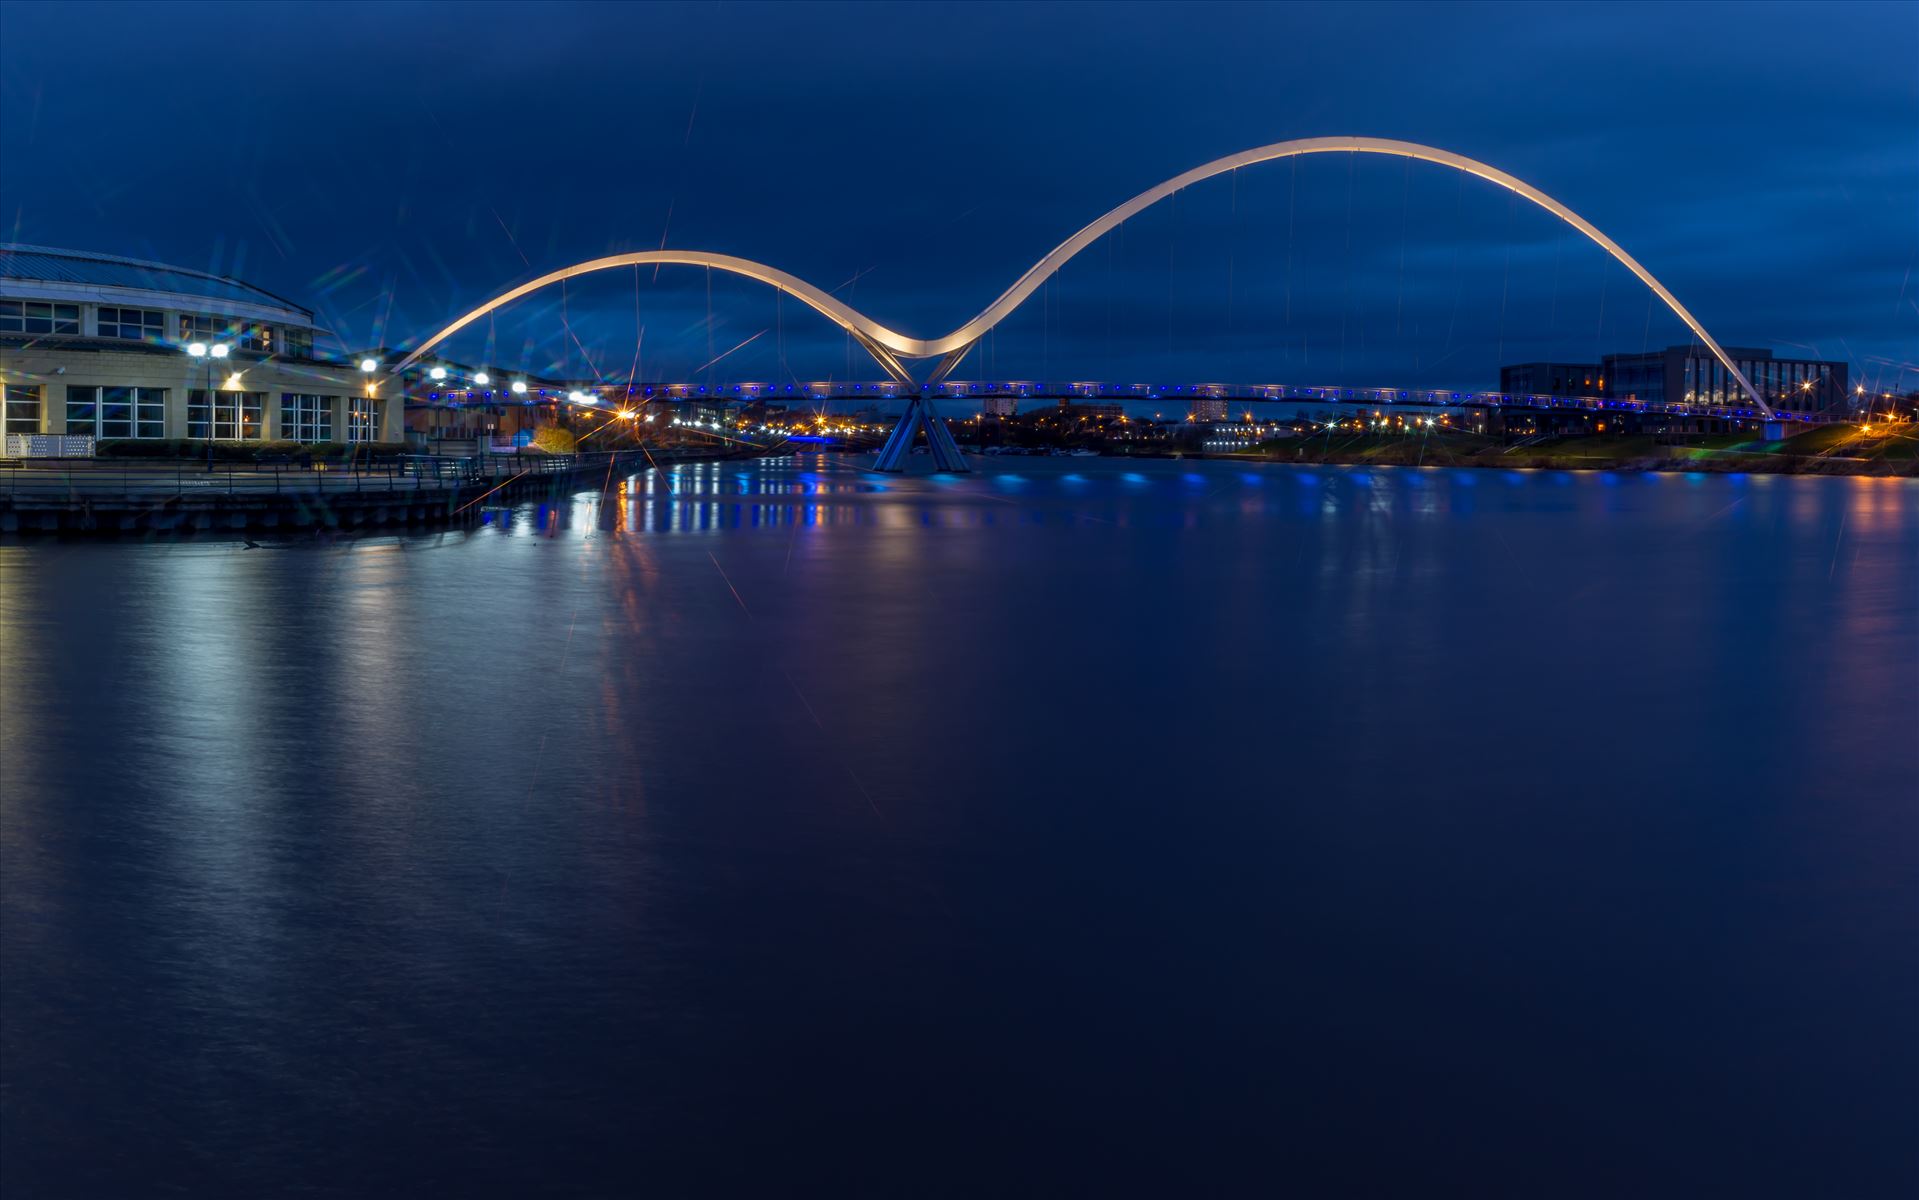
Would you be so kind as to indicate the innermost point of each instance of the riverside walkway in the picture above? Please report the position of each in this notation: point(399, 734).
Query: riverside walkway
point(107, 495)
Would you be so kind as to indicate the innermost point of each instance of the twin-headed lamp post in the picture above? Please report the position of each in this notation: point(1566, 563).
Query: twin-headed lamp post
point(207, 353)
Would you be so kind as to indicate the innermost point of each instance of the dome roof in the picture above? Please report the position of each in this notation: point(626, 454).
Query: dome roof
point(47, 265)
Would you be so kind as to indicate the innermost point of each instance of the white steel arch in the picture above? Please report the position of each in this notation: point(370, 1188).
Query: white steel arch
point(880, 341)
point(889, 345)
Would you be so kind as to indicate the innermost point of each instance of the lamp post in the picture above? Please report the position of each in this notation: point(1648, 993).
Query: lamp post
point(367, 367)
point(481, 379)
point(208, 353)
point(438, 375)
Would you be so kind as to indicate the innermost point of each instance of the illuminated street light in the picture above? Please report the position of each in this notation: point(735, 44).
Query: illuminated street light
point(437, 374)
point(519, 387)
point(369, 365)
point(201, 350)
point(482, 378)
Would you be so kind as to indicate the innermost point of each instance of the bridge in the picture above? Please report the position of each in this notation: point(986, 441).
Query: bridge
point(890, 348)
point(1085, 391)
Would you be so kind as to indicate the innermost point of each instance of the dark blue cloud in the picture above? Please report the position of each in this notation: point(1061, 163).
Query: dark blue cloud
point(397, 163)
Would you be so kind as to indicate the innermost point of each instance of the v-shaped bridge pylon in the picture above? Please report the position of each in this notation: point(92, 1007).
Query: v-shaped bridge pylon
point(922, 416)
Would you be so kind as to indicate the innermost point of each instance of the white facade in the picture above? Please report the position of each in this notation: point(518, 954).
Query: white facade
point(97, 346)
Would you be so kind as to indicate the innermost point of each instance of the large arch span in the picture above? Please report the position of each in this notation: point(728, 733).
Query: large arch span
point(888, 346)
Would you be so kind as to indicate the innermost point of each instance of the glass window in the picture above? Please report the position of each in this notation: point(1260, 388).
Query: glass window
point(235, 416)
point(83, 410)
point(296, 343)
point(362, 419)
point(134, 324)
point(241, 335)
point(306, 418)
point(207, 329)
point(20, 412)
point(37, 316)
point(117, 412)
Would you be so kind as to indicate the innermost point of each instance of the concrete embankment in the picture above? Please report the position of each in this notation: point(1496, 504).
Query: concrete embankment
point(99, 497)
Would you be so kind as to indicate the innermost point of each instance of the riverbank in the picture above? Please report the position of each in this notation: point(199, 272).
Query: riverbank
point(110, 497)
point(1892, 451)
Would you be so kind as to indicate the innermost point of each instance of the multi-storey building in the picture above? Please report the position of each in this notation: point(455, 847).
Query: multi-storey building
point(1552, 379)
point(1693, 375)
point(104, 347)
point(1688, 375)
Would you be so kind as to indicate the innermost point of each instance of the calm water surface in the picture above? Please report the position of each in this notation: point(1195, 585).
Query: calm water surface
point(1079, 827)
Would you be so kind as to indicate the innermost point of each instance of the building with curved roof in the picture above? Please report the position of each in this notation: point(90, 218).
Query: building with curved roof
point(102, 346)
point(70, 274)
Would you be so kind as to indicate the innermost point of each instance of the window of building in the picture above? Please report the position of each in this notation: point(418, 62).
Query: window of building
point(306, 418)
point(362, 419)
point(134, 324)
point(241, 335)
point(296, 343)
point(20, 410)
point(234, 416)
point(208, 329)
point(117, 412)
point(36, 316)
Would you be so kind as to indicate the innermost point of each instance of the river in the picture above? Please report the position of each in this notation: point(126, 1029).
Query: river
point(1079, 826)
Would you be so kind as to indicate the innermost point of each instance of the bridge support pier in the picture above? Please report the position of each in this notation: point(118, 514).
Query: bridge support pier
point(921, 415)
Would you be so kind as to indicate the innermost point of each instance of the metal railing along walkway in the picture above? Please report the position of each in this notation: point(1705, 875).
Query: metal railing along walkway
point(61, 480)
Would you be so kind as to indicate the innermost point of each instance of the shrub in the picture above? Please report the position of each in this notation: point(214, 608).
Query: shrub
point(194, 448)
point(172, 448)
point(552, 439)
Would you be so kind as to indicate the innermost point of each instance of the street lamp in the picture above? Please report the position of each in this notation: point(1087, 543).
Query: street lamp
point(482, 378)
point(519, 387)
point(201, 350)
point(369, 365)
point(437, 374)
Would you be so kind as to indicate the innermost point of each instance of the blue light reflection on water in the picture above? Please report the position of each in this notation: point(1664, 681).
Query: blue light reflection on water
point(1366, 811)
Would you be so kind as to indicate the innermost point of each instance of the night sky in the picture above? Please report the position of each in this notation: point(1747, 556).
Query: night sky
point(391, 165)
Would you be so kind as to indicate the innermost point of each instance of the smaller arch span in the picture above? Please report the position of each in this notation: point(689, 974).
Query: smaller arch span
point(883, 343)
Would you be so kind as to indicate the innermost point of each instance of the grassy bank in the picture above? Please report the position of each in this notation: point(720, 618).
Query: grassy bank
point(1833, 450)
